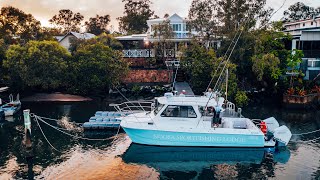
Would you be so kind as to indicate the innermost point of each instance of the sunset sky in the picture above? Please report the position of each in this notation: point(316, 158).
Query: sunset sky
point(43, 10)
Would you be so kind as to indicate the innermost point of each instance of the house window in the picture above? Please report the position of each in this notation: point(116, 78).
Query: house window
point(304, 24)
point(176, 27)
point(184, 28)
point(179, 111)
point(311, 23)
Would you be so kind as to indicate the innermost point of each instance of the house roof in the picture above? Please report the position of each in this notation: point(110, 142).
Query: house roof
point(79, 35)
point(175, 15)
point(291, 22)
point(58, 37)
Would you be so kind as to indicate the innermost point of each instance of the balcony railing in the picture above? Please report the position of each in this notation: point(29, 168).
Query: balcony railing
point(137, 53)
point(144, 53)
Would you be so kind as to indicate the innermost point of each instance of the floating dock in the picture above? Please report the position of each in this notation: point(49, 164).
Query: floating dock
point(104, 120)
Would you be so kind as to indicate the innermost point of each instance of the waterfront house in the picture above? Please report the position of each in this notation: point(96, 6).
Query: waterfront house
point(306, 37)
point(139, 50)
point(66, 40)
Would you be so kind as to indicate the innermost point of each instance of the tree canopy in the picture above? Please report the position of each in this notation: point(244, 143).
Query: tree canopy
point(15, 24)
point(162, 31)
point(225, 16)
point(95, 68)
point(136, 14)
point(300, 11)
point(97, 25)
point(202, 17)
point(67, 21)
point(200, 65)
point(38, 64)
point(105, 39)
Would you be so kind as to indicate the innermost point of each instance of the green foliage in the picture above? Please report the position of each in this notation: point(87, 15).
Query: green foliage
point(293, 62)
point(136, 89)
point(241, 99)
point(299, 11)
point(266, 66)
point(241, 55)
point(103, 38)
point(95, 68)
point(15, 23)
point(202, 18)
point(47, 33)
point(3, 48)
point(136, 14)
point(294, 59)
point(162, 31)
point(38, 64)
point(67, 21)
point(200, 65)
point(226, 16)
point(260, 56)
point(98, 25)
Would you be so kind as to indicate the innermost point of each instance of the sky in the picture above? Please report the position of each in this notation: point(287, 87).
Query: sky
point(43, 10)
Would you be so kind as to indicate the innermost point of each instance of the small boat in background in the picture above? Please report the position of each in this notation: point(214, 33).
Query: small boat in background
point(12, 107)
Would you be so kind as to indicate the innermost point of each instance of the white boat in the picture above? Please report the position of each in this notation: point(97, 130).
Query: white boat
point(12, 107)
point(202, 122)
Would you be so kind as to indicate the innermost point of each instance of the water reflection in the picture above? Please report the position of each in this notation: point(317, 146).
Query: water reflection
point(101, 160)
point(193, 162)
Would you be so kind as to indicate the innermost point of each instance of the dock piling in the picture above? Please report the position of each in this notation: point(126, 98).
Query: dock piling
point(27, 122)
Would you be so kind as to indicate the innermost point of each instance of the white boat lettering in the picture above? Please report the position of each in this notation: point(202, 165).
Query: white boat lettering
point(198, 138)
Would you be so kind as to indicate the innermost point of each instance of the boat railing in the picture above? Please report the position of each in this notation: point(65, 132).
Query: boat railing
point(231, 110)
point(134, 106)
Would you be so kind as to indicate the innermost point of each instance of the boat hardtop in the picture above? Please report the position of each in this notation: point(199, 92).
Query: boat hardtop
point(170, 99)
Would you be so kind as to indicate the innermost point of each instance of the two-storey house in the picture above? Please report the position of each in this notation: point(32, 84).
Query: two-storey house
point(306, 37)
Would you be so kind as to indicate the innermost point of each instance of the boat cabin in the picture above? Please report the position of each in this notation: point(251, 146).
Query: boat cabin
point(195, 112)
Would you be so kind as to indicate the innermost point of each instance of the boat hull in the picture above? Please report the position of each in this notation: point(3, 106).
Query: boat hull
point(188, 139)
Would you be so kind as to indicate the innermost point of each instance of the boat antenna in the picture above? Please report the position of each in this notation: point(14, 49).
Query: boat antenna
point(227, 78)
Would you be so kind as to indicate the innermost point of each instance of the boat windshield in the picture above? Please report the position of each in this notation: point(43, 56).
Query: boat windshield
point(157, 107)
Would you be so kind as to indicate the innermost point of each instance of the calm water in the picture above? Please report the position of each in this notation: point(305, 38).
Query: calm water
point(80, 159)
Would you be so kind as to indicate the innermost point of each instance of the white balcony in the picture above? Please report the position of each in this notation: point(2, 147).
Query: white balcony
point(145, 53)
point(138, 53)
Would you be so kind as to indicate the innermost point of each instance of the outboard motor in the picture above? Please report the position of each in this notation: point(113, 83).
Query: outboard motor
point(282, 135)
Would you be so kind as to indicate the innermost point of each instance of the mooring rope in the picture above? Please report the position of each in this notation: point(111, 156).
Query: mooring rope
point(305, 141)
point(56, 120)
point(45, 137)
point(71, 135)
point(301, 134)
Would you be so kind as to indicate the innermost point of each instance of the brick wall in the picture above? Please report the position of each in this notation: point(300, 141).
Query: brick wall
point(147, 76)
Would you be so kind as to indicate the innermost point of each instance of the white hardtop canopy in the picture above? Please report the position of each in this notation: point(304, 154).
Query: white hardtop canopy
point(191, 101)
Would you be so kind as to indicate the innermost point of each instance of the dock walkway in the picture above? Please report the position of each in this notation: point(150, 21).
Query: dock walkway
point(179, 86)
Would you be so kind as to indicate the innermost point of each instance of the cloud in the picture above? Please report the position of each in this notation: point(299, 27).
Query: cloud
point(43, 10)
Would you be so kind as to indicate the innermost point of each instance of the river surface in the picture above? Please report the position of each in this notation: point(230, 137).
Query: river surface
point(80, 159)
